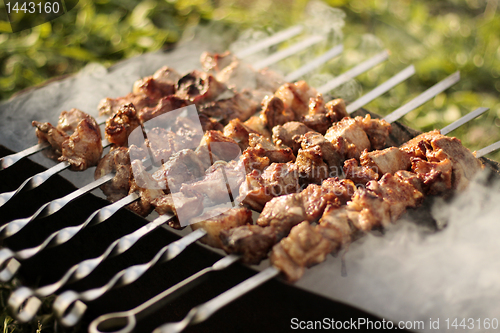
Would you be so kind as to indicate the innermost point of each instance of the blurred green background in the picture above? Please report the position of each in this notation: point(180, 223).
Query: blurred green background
point(438, 37)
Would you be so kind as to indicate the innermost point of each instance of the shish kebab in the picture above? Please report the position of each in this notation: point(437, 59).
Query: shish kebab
point(115, 189)
point(378, 204)
point(8, 161)
point(83, 269)
point(124, 120)
point(314, 248)
point(174, 250)
point(76, 154)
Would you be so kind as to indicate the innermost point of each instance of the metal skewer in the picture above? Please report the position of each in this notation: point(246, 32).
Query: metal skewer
point(352, 73)
point(10, 160)
point(295, 48)
point(489, 149)
point(39, 179)
point(59, 237)
point(69, 317)
point(270, 41)
point(311, 65)
point(202, 312)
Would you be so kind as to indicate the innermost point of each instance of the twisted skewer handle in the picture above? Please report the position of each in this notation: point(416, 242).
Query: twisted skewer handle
point(52, 207)
point(57, 238)
point(66, 301)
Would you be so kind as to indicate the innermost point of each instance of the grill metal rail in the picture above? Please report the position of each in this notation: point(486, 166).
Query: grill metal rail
point(70, 306)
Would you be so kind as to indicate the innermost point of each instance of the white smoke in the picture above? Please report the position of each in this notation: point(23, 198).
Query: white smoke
point(409, 274)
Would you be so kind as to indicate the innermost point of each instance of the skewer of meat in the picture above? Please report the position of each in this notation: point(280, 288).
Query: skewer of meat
point(211, 230)
point(303, 234)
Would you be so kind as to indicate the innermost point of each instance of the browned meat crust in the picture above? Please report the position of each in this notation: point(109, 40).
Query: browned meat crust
point(121, 124)
point(118, 161)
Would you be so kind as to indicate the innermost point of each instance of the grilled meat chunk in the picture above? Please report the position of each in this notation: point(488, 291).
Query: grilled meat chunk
point(199, 87)
point(368, 210)
point(349, 137)
point(83, 148)
point(164, 105)
point(210, 124)
point(239, 132)
point(277, 179)
point(121, 124)
point(334, 225)
point(377, 130)
point(250, 241)
point(160, 84)
point(274, 112)
point(46, 132)
point(148, 189)
point(288, 134)
point(216, 220)
point(240, 106)
point(264, 147)
point(318, 159)
point(336, 110)
point(432, 150)
point(283, 213)
point(343, 189)
point(215, 62)
point(68, 120)
point(118, 161)
point(295, 97)
point(385, 161)
point(109, 106)
point(256, 124)
point(360, 175)
point(221, 146)
point(304, 247)
point(184, 207)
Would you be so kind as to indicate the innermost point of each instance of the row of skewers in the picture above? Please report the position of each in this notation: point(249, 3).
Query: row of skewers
point(304, 161)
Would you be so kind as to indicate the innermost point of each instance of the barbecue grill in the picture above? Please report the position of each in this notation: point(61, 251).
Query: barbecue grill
point(50, 264)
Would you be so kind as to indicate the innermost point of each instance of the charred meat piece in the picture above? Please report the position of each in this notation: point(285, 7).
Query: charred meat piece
point(368, 210)
point(165, 104)
point(398, 194)
point(385, 161)
point(199, 87)
point(274, 112)
point(349, 137)
point(315, 198)
point(304, 247)
point(182, 206)
point(121, 124)
point(252, 159)
point(217, 220)
point(221, 146)
point(118, 161)
point(436, 148)
point(277, 179)
point(238, 106)
point(318, 159)
point(295, 97)
point(239, 132)
point(184, 166)
point(436, 177)
point(250, 241)
point(288, 134)
point(148, 188)
point(109, 106)
point(83, 148)
point(220, 185)
point(336, 110)
point(160, 84)
point(343, 189)
point(283, 213)
point(377, 130)
point(210, 124)
point(360, 175)
point(265, 148)
point(46, 132)
point(335, 226)
point(256, 124)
